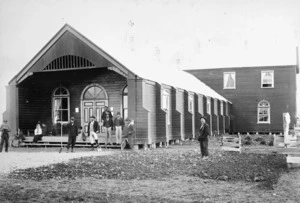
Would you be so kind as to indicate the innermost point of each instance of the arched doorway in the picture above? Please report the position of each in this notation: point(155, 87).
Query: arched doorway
point(93, 100)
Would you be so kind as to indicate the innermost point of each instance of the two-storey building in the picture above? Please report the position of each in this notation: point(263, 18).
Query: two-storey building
point(260, 95)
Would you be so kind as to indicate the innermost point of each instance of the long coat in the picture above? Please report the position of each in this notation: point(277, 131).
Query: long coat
point(72, 130)
point(129, 134)
point(204, 132)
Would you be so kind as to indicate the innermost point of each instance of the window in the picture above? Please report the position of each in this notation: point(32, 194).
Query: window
point(191, 103)
point(221, 108)
point(125, 102)
point(208, 105)
point(227, 109)
point(263, 112)
point(200, 104)
point(216, 106)
point(267, 79)
point(94, 93)
point(166, 104)
point(61, 107)
point(229, 80)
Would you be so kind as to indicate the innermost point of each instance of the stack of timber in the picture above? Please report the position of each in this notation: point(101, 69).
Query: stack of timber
point(289, 145)
point(231, 143)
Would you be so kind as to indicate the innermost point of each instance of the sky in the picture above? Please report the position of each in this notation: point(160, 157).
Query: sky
point(182, 34)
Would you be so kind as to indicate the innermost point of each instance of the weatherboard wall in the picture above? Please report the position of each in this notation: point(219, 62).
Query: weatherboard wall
point(35, 93)
point(248, 93)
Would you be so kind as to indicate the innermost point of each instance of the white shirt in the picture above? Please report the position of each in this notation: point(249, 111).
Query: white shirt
point(38, 131)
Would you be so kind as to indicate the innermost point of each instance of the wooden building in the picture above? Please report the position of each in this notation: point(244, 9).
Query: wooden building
point(260, 95)
point(71, 76)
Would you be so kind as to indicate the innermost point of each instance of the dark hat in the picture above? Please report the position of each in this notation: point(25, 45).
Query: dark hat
point(4, 120)
point(127, 119)
point(203, 118)
point(92, 116)
point(118, 113)
point(72, 118)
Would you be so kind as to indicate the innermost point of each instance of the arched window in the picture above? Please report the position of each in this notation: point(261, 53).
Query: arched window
point(94, 92)
point(263, 112)
point(61, 105)
point(125, 102)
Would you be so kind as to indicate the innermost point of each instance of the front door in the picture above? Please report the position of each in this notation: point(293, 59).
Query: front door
point(90, 108)
point(94, 99)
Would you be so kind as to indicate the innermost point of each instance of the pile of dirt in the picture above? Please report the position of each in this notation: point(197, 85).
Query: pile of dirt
point(162, 163)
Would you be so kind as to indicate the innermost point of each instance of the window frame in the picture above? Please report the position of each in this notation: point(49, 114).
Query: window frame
point(216, 106)
point(191, 103)
point(261, 78)
point(269, 112)
point(221, 108)
point(227, 109)
point(124, 109)
point(208, 105)
point(224, 82)
point(61, 96)
point(200, 104)
point(165, 94)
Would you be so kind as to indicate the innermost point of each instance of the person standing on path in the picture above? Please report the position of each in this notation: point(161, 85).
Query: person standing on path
point(203, 138)
point(4, 129)
point(73, 132)
point(93, 130)
point(128, 134)
point(118, 125)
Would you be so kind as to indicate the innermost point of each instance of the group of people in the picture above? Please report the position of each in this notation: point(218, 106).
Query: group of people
point(124, 130)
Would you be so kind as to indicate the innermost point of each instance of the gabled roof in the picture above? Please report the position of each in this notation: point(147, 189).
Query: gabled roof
point(137, 63)
point(54, 39)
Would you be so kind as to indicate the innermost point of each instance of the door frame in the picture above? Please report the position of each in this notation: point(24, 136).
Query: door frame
point(82, 100)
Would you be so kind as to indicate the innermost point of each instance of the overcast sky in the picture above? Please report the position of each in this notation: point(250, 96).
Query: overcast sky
point(188, 33)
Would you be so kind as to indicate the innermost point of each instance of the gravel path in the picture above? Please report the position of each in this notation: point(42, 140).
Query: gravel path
point(20, 158)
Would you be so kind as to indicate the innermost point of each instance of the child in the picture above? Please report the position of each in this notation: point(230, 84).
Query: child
point(118, 124)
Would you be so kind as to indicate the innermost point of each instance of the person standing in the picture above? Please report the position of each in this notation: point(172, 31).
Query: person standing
point(73, 132)
point(203, 138)
point(118, 125)
point(5, 129)
point(128, 134)
point(108, 124)
point(106, 113)
point(93, 130)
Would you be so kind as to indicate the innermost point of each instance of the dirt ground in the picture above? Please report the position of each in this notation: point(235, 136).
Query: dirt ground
point(173, 187)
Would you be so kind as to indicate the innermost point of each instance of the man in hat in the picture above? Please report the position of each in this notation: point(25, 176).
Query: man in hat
point(73, 132)
point(118, 125)
point(108, 124)
point(4, 129)
point(203, 138)
point(128, 134)
point(93, 130)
